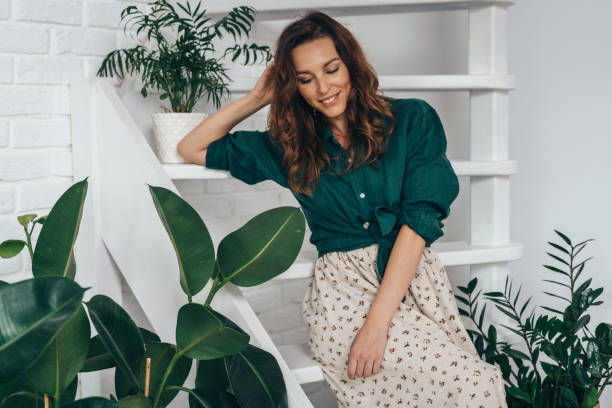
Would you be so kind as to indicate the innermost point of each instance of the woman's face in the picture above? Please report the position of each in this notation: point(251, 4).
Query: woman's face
point(322, 75)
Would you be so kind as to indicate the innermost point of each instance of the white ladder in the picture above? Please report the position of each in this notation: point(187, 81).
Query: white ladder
point(120, 219)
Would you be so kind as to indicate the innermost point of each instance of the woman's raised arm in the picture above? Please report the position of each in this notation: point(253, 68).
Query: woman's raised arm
point(193, 146)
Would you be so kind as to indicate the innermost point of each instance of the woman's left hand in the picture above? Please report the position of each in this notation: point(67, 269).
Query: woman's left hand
point(367, 350)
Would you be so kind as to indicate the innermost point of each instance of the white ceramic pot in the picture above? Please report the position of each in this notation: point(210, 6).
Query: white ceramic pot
point(168, 129)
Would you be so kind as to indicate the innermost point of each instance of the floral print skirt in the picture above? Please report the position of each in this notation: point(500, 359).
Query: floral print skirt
point(429, 359)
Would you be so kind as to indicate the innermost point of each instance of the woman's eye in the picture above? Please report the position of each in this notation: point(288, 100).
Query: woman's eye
point(305, 81)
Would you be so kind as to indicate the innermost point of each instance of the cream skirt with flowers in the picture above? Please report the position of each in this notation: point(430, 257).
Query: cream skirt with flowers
point(429, 359)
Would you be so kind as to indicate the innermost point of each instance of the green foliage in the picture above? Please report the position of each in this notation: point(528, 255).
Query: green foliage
point(45, 332)
point(578, 369)
point(187, 68)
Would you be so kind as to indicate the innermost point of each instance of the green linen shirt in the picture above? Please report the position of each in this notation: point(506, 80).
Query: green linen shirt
point(414, 185)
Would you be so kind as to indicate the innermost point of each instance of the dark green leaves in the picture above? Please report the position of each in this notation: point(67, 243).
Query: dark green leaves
point(32, 313)
point(60, 363)
point(205, 334)
point(119, 335)
point(256, 379)
point(190, 238)
point(54, 255)
point(263, 248)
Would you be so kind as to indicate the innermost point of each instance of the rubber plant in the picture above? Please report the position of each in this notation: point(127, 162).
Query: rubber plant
point(578, 361)
point(45, 333)
point(183, 70)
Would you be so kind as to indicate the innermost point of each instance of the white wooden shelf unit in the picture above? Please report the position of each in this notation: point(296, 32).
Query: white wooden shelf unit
point(108, 145)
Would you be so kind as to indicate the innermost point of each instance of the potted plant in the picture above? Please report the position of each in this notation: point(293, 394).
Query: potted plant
point(45, 330)
point(183, 70)
point(579, 367)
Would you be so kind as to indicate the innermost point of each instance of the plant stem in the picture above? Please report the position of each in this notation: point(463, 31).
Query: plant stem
point(215, 288)
point(169, 369)
point(187, 390)
point(29, 241)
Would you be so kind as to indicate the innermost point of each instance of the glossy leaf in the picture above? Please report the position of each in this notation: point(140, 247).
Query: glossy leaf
point(211, 375)
point(189, 236)
point(161, 354)
point(209, 398)
point(53, 255)
point(136, 401)
point(256, 379)
point(92, 402)
point(11, 248)
point(98, 357)
point(263, 248)
point(32, 313)
point(28, 398)
point(204, 334)
point(119, 334)
point(60, 363)
point(25, 219)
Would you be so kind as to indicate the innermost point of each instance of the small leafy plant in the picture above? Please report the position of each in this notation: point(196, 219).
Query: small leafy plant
point(45, 333)
point(186, 69)
point(579, 367)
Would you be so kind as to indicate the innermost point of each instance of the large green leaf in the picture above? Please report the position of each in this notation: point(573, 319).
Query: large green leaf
point(26, 397)
point(256, 379)
point(3, 283)
point(119, 334)
point(98, 357)
point(60, 363)
point(211, 375)
point(54, 255)
point(11, 248)
point(31, 313)
point(210, 398)
point(136, 401)
point(263, 248)
point(204, 334)
point(92, 402)
point(161, 354)
point(190, 238)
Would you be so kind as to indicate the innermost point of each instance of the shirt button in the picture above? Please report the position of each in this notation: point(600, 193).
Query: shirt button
point(362, 195)
point(366, 225)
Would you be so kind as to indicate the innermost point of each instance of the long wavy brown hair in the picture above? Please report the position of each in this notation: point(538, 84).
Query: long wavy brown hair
point(298, 127)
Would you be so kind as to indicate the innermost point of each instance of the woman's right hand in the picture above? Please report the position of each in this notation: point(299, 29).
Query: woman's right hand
point(263, 87)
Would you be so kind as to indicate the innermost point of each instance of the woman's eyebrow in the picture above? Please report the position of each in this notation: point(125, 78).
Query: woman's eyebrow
point(324, 65)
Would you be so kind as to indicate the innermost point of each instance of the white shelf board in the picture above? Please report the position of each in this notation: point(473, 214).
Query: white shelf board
point(288, 9)
point(461, 167)
point(299, 361)
point(452, 253)
point(398, 83)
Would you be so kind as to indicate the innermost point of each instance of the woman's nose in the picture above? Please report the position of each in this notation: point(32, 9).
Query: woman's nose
point(323, 87)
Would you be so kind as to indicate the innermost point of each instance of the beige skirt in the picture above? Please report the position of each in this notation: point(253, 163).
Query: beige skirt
point(429, 359)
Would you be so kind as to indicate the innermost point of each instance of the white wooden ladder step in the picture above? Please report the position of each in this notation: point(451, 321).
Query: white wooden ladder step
point(298, 359)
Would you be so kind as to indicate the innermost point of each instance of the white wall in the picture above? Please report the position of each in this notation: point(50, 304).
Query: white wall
point(558, 134)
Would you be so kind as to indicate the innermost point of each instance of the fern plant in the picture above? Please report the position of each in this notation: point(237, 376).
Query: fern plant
point(579, 367)
point(186, 69)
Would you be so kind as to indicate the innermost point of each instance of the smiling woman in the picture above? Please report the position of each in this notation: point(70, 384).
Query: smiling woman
point(374, 183)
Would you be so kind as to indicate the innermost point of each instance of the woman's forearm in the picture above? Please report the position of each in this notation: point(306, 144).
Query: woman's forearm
point(401, 268)
point(194, 144)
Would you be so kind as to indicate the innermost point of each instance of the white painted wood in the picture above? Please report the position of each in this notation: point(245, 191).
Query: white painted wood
point(396, 83)
point(451, 253)
point(274, 9)
point(489, 196)
point(298, 358)
point(88, 247)
point(461, 167)
point(138, 242)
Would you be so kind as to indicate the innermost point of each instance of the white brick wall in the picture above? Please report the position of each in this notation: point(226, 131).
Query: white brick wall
point(43, 43)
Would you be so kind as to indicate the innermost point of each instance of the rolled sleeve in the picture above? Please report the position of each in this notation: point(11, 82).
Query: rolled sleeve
point(430, 183)
point(248, 155)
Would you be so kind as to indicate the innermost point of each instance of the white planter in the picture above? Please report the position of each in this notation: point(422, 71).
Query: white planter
point(168, 129)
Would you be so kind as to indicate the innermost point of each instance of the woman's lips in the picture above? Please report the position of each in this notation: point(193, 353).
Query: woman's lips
point(334, 100)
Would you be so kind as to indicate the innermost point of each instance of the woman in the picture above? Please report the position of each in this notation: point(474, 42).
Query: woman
point(373, 180)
